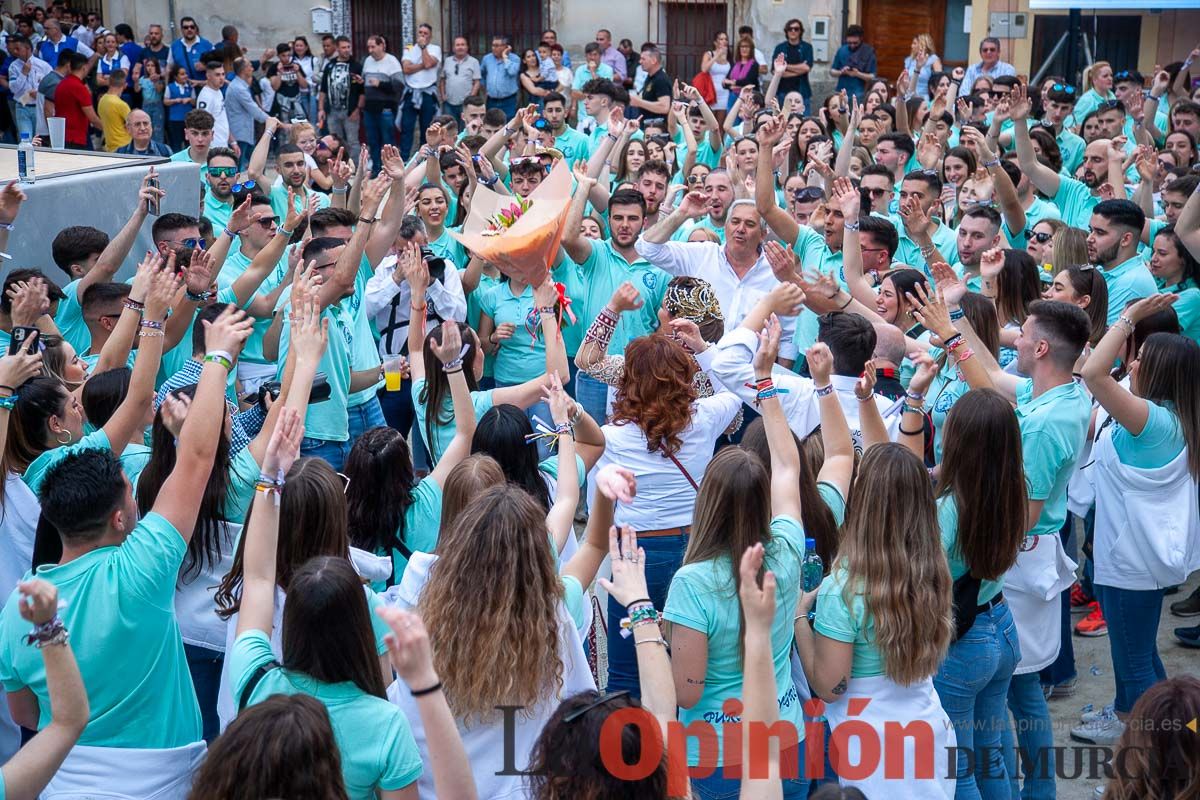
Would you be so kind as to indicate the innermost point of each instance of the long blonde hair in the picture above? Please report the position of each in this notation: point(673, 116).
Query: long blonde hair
point(891, 547)
point(494, 592)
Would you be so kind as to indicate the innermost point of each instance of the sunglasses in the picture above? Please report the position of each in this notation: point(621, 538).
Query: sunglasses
point(1063, 87)
point(1041, 237)
point(185, 27)
point(243, 186)
point(345, 481)
point(1109, 104)
point(996, 95)
point(792, 28)
point(223, 172)
point(192, 244)
point(1123, 74)
point(808, 194)
point(269, 222)
point(326, 265)
point(579, 712)
point(876, 192)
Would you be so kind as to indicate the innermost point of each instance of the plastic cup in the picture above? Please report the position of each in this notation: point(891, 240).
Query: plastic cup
point(393, 374)
point(58, 132)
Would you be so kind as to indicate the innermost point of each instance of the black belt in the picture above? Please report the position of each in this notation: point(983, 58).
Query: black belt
point(990, 604)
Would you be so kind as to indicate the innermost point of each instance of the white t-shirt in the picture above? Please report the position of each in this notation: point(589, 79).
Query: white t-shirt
point(425, 78)
point(212, 101)
point(665, 498)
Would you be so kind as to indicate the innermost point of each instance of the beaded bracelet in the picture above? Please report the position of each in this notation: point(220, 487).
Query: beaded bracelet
point(8, 402)
point(954, 342)
point(824, 391)
point(547, 310)
point(151, 323)
point(866, 399)
point(995, 162)
point(911, 409)
point(50, 632)
point(851, 226)
point(134, 305)
point(150, 333)
point(911, 395)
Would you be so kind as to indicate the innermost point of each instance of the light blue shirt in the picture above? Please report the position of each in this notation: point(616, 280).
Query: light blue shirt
point(1053, 429)
point(1128, 280)
point(1160, 441)
point(500, 77)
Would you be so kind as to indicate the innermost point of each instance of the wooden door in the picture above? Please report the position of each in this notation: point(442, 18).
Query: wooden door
point(890, 26)
point(522, 21)
point(689, 28)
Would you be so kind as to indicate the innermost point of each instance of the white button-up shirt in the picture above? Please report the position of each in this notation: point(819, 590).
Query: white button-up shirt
point(388, 304)
point(737, 296)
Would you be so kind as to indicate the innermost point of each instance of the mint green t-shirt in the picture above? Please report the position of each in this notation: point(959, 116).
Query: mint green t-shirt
point(447, 247)
point(69, 319)
point(814, 256)
point(947, 511)
point(1053, 428)
point(833, 498)
point(329, 420)
point(1127, 281)
point(947, 387)
point(443, 428)
point(574, 145)
point(422, 523)
point(120, 610)
point(1075, 202)
point(279, 197)
point(218, 213)
point(375, 740)
point(848, 622)
point(521, 357)
point(35, 473)
point(1156, 446)
point(603, 271)
point(486, 282)
point(1037, 211)
point(1187, 308)
point(703, 598)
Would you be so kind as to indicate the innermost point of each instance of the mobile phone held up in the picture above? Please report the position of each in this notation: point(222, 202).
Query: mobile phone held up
point(152, 204)
point(23, 338)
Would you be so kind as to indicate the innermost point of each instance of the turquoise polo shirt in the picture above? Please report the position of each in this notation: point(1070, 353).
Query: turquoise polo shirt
point(947, 387)
point(814, 256)
point(1128, 280)
point(278, 196)
point(573, 145)
point(447, 247)
point(328, 421)
point(422, 523)
point(442, 428)
point(685, 230)
point(944, 238)
point(1038, 210)
point(217, 212)
point(1075, 202)
point(375, 740)
point(606, 269)
point(569, 275)
point(185, 156)
point(120, 610)
point(1071, 146)
point(1053, 429)
point(235, 264)
point(521, 357)
point(1187, 308)
point(69, 319)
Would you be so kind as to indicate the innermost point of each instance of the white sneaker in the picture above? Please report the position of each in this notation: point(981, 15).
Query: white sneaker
point(1101, 731)
point(1108, 712)
point(1099, 793)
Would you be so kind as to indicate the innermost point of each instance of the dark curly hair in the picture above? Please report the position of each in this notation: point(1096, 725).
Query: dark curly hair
point(657, 392)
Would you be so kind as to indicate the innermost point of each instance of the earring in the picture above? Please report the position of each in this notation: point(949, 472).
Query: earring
point(58, 436)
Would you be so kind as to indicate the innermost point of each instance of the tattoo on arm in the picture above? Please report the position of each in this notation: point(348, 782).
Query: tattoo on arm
point(698, 683)
point(841, 687)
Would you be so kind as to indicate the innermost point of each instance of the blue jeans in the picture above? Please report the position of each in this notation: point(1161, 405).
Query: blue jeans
point(247, 149)
point(205, 666)
point(592, 395)
point(398, 412)
point(409, 119)
point(380, 125)
point(1035, 736)
point(454, 111)
point(1132, 618)
point(972, 684)
point(506, 104)
point(26, 120)
point(363, 417)
point(664, 555)
point(333, 453)
point(718, 787)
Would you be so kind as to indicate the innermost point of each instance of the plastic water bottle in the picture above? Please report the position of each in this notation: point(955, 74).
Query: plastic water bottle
point(811, 568)
point(25, 170)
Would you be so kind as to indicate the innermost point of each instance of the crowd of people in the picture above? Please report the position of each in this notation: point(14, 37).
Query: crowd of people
point(834, 391)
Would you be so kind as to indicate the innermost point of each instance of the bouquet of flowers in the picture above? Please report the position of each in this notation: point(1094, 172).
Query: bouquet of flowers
point(520, 236)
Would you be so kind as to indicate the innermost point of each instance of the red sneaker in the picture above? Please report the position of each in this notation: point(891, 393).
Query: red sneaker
point(1079, 599)
point(1093, 624)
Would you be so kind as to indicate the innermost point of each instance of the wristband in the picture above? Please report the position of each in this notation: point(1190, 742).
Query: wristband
point(150, 323)
point(340, 190)
point(284, 231)
point(366, 220)
point(957, 314)
point(910, 408)
point(824, 391)
point(220, 357)
point(852, 226)
point(230, 232)
point(490, 183)
point(50, 632)
point(547, 310)
point(995, 162)
point(199, 297)
point(11, 389)
point(916, 396)
point(134, 305)
point(911, 433)
point(866, 399)
point(437, 687)
point(8, 402)
point(8, 226)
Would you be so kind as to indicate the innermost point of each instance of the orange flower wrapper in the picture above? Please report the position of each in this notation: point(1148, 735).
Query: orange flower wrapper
point(526, 250)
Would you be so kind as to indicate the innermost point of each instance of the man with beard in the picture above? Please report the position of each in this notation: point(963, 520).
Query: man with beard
point(605, 264)
point(1112, 244)
point(978, 232)
point(740, 270)
point(222, 173)
point(718, 191)
point(1075, 199)
point(571, 143)
point(652, 180)
point(293, 171)
point(924, 188)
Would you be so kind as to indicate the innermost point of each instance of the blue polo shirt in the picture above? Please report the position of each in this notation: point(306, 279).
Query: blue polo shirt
point(1128, 280)
point(1053, 429)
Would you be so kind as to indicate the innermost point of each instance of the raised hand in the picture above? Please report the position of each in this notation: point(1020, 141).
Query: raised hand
point(243, 216)
point(147, 193)
point(408, 647)
point(164, 288)
point(391, 162)
point(848, 198)
point(927, 370)
point(39, 601)
point(820, 363)
point(1019, 104)
point(758, 603)
point(864, 387)
point(694, 205)
point(284, 447)
point(688, 334)
point(20, 367)
point(930, 311)
point(29, 301)
point(199, 274)
point(309, 331)
point(229, 331)
point(450, 348)
point(768, 347)
point(915, 218)
point(174, 412)
point(1148, 306)
point(950, 286)
point(991, 262)
point(10, 202)
point(783, 260)
point(625, 298)
point(415, 270)
point(616, 483)
point(628, 567)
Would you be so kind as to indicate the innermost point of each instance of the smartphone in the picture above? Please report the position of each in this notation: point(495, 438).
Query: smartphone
point(152, 203)
point(23, 338)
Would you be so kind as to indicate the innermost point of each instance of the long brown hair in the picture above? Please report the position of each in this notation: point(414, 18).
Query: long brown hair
point(891, 547)
point(656, 392)
point(469, 479)
point(1167, 368)
point(1158, 750)
point(312, 522)
point(732, 513)
point(495, 590)
point(281, 747)
point(437, 383)
point(818, 519)
point(988, 492)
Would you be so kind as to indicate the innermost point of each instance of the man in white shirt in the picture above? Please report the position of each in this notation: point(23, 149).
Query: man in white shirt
point(24, 75)
point(419, 103)
point(387, 300)
point(211, 99)
point(738, 270)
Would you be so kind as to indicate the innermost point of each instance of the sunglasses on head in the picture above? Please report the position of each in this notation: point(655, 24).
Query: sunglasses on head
point(808, 194)
point(1108, 104)
point(1063, 87)
point(243, 186)
point(1123, 74)
point(605, 698)
point(223, 172)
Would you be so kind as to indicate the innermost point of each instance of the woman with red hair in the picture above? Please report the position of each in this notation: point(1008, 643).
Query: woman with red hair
point(665, 434)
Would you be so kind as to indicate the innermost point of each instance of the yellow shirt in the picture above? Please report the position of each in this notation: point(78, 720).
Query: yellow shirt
point(113, 111)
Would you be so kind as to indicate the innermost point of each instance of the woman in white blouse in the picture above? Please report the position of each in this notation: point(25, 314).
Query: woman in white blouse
point(665, 433)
